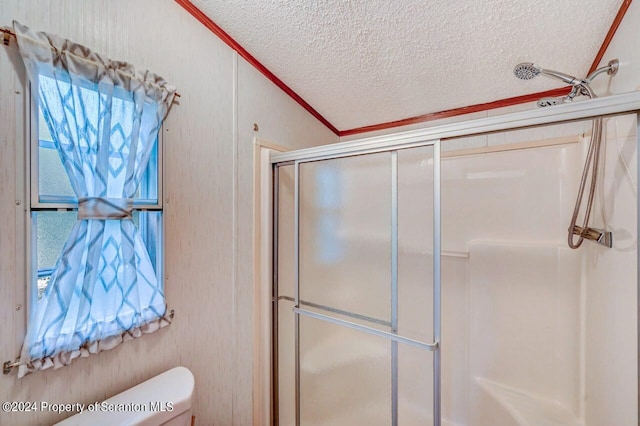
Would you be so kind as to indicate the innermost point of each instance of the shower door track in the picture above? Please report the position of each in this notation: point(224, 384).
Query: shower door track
point(600, 107)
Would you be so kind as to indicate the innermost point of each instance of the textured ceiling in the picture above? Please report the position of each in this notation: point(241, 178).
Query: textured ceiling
point(365, 62)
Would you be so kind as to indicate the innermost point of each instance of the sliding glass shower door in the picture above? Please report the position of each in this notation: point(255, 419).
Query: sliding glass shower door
point(357, 289)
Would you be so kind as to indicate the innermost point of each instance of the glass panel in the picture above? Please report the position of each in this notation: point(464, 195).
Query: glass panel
point(52, 177)
point(415, 243)
point(345, 376)
point(345, 235)
point(148, 189)
point(285, 231)
point(150, 225)
point(415, 386)
point(54, 183)
point(52, 229)
point(415, 284)
point(286, 364)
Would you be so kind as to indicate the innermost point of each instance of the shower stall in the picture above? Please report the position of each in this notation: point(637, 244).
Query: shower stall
point(424, 278)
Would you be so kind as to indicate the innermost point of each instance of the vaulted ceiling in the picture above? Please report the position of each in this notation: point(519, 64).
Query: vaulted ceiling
point(365, 62)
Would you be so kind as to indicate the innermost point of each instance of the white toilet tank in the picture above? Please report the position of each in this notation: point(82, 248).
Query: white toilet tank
point(161, 400)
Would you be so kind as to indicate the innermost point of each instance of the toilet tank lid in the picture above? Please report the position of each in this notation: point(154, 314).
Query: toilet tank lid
point(171, 392)
point(175, 386)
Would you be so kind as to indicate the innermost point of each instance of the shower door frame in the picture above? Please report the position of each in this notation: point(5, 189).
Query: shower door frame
point(628, 103)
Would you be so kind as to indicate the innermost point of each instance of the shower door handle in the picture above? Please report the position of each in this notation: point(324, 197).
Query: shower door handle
point(369, 330)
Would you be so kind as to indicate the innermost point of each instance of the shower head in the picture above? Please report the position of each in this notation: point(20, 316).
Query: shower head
point(528, 70)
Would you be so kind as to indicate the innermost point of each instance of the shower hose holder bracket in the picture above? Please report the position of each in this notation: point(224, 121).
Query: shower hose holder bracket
point(600, 236)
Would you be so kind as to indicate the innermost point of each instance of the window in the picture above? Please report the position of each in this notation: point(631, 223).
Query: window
point(54, 207)
point(95, 207)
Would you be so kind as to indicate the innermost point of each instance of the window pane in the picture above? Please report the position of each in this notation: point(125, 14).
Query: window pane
point(53, 182)
point(148, 189)
point(150, 225)
point(52, 178)
point(51, 231)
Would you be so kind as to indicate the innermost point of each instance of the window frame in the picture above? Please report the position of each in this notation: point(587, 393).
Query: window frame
point(27, 184)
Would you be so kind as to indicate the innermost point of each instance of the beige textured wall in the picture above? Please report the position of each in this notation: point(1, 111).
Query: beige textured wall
point(208, 140)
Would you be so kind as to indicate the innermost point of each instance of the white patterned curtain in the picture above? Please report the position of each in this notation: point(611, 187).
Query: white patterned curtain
point(104, 119)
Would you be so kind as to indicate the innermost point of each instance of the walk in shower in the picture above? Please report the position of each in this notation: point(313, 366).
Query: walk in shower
point(424, 277)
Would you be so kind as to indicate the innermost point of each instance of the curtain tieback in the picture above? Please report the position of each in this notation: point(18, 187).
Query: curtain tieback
point(104, 208)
